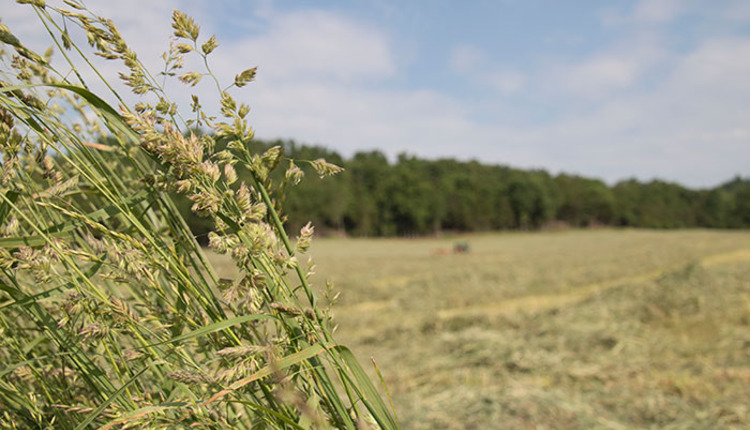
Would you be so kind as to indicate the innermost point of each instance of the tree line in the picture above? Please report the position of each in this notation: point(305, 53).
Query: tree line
point(415, 196)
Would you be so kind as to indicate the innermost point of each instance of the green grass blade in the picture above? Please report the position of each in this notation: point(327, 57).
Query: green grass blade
point(11, 196)
point(95, 413)
point(221, 325)
point(112, 117)
point(33, 241)
point(370, 396)
point(385, 388)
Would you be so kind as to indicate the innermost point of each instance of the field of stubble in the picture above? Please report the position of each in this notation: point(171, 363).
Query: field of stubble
point(578, 329)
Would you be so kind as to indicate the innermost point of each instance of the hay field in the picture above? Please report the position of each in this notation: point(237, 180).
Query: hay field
point(579, 329)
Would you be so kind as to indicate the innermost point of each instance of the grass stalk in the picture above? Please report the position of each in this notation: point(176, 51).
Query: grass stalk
point(114, 314)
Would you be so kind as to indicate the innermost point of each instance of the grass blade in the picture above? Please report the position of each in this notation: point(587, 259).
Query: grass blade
point(95, 413)
point(10, 197)
point(370, 396)
point(221, 325)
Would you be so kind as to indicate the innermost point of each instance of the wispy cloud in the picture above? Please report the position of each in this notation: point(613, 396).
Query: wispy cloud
point(466, 59)
point(472, 64)
point(634, 103)
point(658, 11)
point(317, 45)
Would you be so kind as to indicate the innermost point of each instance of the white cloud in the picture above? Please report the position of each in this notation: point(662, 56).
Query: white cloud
point(506, 81)
point(147, 33)
point(466, 59)
point(644, 13)
point(473, 64)
point(658, 11)
point(327, 78)
point(317, 44)
point(609, 71)
point(689, 122)
point(694, 127)
point(716, 64)
point(598, 75)
point(351, 119)
point(736, 11)
point(325, 52)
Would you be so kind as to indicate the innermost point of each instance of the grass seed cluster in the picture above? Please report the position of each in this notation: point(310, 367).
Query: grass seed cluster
point(110, 314)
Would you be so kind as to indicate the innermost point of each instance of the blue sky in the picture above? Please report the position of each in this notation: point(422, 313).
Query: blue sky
point(617, 89)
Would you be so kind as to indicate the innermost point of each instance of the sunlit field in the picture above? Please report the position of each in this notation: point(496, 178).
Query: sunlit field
point(576, 329)
point(156, 265)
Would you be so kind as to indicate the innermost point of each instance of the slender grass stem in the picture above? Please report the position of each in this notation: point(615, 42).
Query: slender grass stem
point(99, 270)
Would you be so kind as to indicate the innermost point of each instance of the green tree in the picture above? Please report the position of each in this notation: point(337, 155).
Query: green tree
point(324, 202)
point(531, 200)
point(413, 204)
point(584, 201)
point(368, 172)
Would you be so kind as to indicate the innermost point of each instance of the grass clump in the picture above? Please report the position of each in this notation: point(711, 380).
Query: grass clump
point(110, 315)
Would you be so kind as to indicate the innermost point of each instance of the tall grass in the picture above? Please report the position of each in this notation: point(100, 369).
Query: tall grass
point(110, 314)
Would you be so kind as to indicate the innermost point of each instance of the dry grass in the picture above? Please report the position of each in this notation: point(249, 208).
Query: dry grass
point(593, 329)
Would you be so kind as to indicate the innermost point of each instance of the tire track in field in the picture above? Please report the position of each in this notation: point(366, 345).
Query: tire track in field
point(542, 302)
